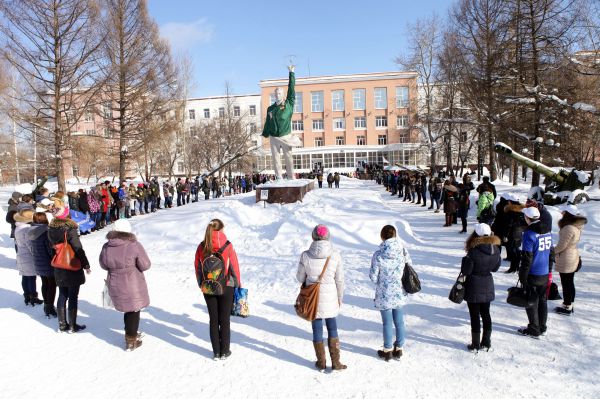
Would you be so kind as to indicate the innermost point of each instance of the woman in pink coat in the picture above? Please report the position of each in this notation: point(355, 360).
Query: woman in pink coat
point(126, 261)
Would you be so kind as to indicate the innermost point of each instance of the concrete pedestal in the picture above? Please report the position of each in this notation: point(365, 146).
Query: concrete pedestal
point(284, 191)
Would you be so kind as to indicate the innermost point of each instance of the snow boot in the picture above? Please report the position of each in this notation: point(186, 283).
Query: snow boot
point(34, 300)
point(73, 326)
point(385, 354)
point(486, 340)
point(529, 332)
point(49, 311)
point(475, 342)
point(334, 352)
point(565, 310)
point(27, 299)
point(321, 362)
point(225, 355)
point(62, 320)
point(132, 342)
point(397, 352)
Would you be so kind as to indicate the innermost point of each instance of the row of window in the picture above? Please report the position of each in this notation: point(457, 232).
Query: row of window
point(360, 140)
point(359, 97)
point(106, 132)
point(360, 123)
point(237, 112)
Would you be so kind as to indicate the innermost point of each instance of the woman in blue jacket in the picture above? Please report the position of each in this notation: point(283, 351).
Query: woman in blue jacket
point(483, 258)
point(387, 266)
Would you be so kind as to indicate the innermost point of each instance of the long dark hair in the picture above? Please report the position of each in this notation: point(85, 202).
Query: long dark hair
point(568, 219)
point(213, 225)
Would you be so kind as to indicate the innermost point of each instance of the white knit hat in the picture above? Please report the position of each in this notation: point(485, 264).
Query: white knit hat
point(122, 225)
point(483, 229)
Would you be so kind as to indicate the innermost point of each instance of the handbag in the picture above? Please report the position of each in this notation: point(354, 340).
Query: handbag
point(107, 302)
point(457, 292)
point(64, 257)
point(519, 296)
point(410, 280)
point(240, 302)
point(553, 294)
point(308, 298)
point(578, 265)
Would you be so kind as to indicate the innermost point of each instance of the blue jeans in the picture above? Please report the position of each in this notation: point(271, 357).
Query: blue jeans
point(396, 317)
point(317, 327)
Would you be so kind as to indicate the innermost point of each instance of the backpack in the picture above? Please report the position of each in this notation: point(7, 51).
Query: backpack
point(211, 273)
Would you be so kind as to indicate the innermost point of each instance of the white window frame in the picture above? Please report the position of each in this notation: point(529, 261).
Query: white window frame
point(339, 124)
point(90, 132)
point(402, 96)
point(316, 106)
point(402, 121)
point(382, 139)
point(360, 126)
point(298, 125)
point(380, 98)
point(252, 126)
point(315, 127)
point(252, 110)
point(206, 113)
point(339, 140)
point(337, 100)
point(221, 112)
point(359, 95)
point(191, 114)
point(88, 116)
point(236, 111)
point(361, 139)
point(319, 142)
point(298, 103)
point(381, 122)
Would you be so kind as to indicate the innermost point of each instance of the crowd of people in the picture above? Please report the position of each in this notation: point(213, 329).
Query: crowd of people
point(41, 223)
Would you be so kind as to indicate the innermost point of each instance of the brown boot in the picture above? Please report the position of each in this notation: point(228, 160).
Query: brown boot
point(321, 362)
point(334, 352)
point(132, 342)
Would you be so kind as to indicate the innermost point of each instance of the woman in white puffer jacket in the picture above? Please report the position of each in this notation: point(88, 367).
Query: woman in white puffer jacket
point(331, 293)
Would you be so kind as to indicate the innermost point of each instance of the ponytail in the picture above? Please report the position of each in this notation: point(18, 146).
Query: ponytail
point(213, 225)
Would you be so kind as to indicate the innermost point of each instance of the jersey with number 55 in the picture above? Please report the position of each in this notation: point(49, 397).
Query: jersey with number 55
point(540, 246)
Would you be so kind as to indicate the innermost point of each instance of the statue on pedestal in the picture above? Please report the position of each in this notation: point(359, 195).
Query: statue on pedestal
point(278, 127)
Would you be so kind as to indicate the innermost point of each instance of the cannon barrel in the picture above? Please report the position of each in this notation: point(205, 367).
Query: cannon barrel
point(502, 148)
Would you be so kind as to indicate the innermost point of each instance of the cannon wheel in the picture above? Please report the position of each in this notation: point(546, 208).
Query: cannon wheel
point(580, 198)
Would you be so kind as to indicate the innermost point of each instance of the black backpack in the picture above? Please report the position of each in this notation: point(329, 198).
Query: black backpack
point(211, 277)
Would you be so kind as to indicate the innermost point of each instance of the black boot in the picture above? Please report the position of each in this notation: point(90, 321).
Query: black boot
point(27, 299)
point(49, 311)
point(73, 326)
point(62, 319)
point(486, 340)
point(475, 342)
point(34, 300)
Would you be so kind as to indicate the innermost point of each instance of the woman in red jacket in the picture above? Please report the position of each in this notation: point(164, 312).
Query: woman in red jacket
point(218, 303)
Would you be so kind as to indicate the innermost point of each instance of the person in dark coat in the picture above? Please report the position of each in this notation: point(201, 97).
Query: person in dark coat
point(482, 259)
point(449, 195)
point(13, 201)
point(463, 200)
point(126, 261)
point(83, 201)
point(487, 186)
point(545, 216)
point(68, 281)
point(42, 256)
point(500, 225)
point(515, 223)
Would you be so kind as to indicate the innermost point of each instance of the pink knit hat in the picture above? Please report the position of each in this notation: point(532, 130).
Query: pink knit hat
point(60, 213)
point(320, 232)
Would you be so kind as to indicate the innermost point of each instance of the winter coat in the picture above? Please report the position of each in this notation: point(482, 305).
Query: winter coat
point(567, 255)
point(387, 266)
point(483, 258)
point(25, 263)
point(449, 194)
point(74, 202)
point(515, 223)
point(279, 116)
point(10, 214)
point(41, 249)
point(56, 235)
point(486, 200)
point(126, 261)
point(336, 177)
point(500, 225)
point(94, 203)
point(331, 291)
point(232, 266)
point(83, 202)
point(106, 199)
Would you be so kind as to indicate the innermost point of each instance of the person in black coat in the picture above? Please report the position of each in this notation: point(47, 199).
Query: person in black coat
point(545, 216)
point(515, 225)
point(483, 258)
point(500, 225)
point(68, 281)
point(42, 256)
point(83, 201)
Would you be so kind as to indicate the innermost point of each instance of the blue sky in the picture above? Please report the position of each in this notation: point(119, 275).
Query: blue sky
point(243, 42)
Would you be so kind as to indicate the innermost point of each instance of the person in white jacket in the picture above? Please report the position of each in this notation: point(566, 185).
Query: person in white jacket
point(331, 293)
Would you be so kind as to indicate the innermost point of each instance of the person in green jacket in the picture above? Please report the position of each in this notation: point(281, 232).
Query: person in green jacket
point(278, 126)
point(485, 207)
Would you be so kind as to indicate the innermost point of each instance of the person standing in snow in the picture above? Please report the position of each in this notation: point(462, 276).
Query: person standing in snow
point(567, 256)
point(387, 266)
point(536, 263)
point(68, 282)
point(219, 306)
point(515, 224)
point(25, 264)
point(42, 256)
point(126, 261)
point(482, 259)
point(331, 292)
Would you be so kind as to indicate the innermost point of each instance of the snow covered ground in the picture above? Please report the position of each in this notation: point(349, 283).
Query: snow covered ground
point(272, 351)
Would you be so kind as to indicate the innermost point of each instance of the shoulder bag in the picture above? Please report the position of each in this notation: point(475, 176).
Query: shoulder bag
point(457, 292)
point(308, 298)
point(64, 257)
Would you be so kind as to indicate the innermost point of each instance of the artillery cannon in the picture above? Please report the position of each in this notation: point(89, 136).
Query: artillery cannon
point(562, 186)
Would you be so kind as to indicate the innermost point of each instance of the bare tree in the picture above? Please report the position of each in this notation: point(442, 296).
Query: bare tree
point(52, 45)
point(140, 75)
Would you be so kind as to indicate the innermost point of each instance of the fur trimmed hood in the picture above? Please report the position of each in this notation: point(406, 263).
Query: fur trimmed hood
point(63, 224)
point(483, 240)
point(120, 235)
point(577, 221)
point(512, 207)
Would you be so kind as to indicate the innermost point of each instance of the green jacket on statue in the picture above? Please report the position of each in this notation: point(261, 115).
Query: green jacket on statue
point(279, 117)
